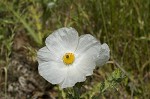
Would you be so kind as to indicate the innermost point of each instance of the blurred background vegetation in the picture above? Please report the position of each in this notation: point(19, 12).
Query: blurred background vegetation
point(123, 24)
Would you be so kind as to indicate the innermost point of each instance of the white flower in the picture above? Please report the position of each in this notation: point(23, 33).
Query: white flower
point(67, 58)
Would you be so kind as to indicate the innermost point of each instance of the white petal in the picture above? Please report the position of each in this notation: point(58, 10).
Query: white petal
point(53, 72)
point(73, 76)
point(44, 55)
point(104, 54)
point(62, 40)
point(88, 45)
point(85, 64)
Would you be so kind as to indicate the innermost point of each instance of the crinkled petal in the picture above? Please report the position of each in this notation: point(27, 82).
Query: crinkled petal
point(53, 72)
point(85, 64)
point(73, 76)
point(104, 55)
point(62, 40)
point(88, 45)
point(44, 55)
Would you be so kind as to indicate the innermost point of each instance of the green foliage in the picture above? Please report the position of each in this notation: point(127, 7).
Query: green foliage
point(21, 17)
point(112, 81)
point(6, 43)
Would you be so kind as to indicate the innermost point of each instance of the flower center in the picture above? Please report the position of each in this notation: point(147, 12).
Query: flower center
point(68, 58)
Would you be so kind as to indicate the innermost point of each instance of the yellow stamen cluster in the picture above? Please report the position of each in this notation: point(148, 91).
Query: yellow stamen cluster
point(68, 58)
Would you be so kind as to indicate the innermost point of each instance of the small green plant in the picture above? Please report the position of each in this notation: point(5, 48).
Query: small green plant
point(7, 48)
point(112, 81)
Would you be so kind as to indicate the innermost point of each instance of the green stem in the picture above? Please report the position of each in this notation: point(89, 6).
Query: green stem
point(76, 90)
point(5, 69)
